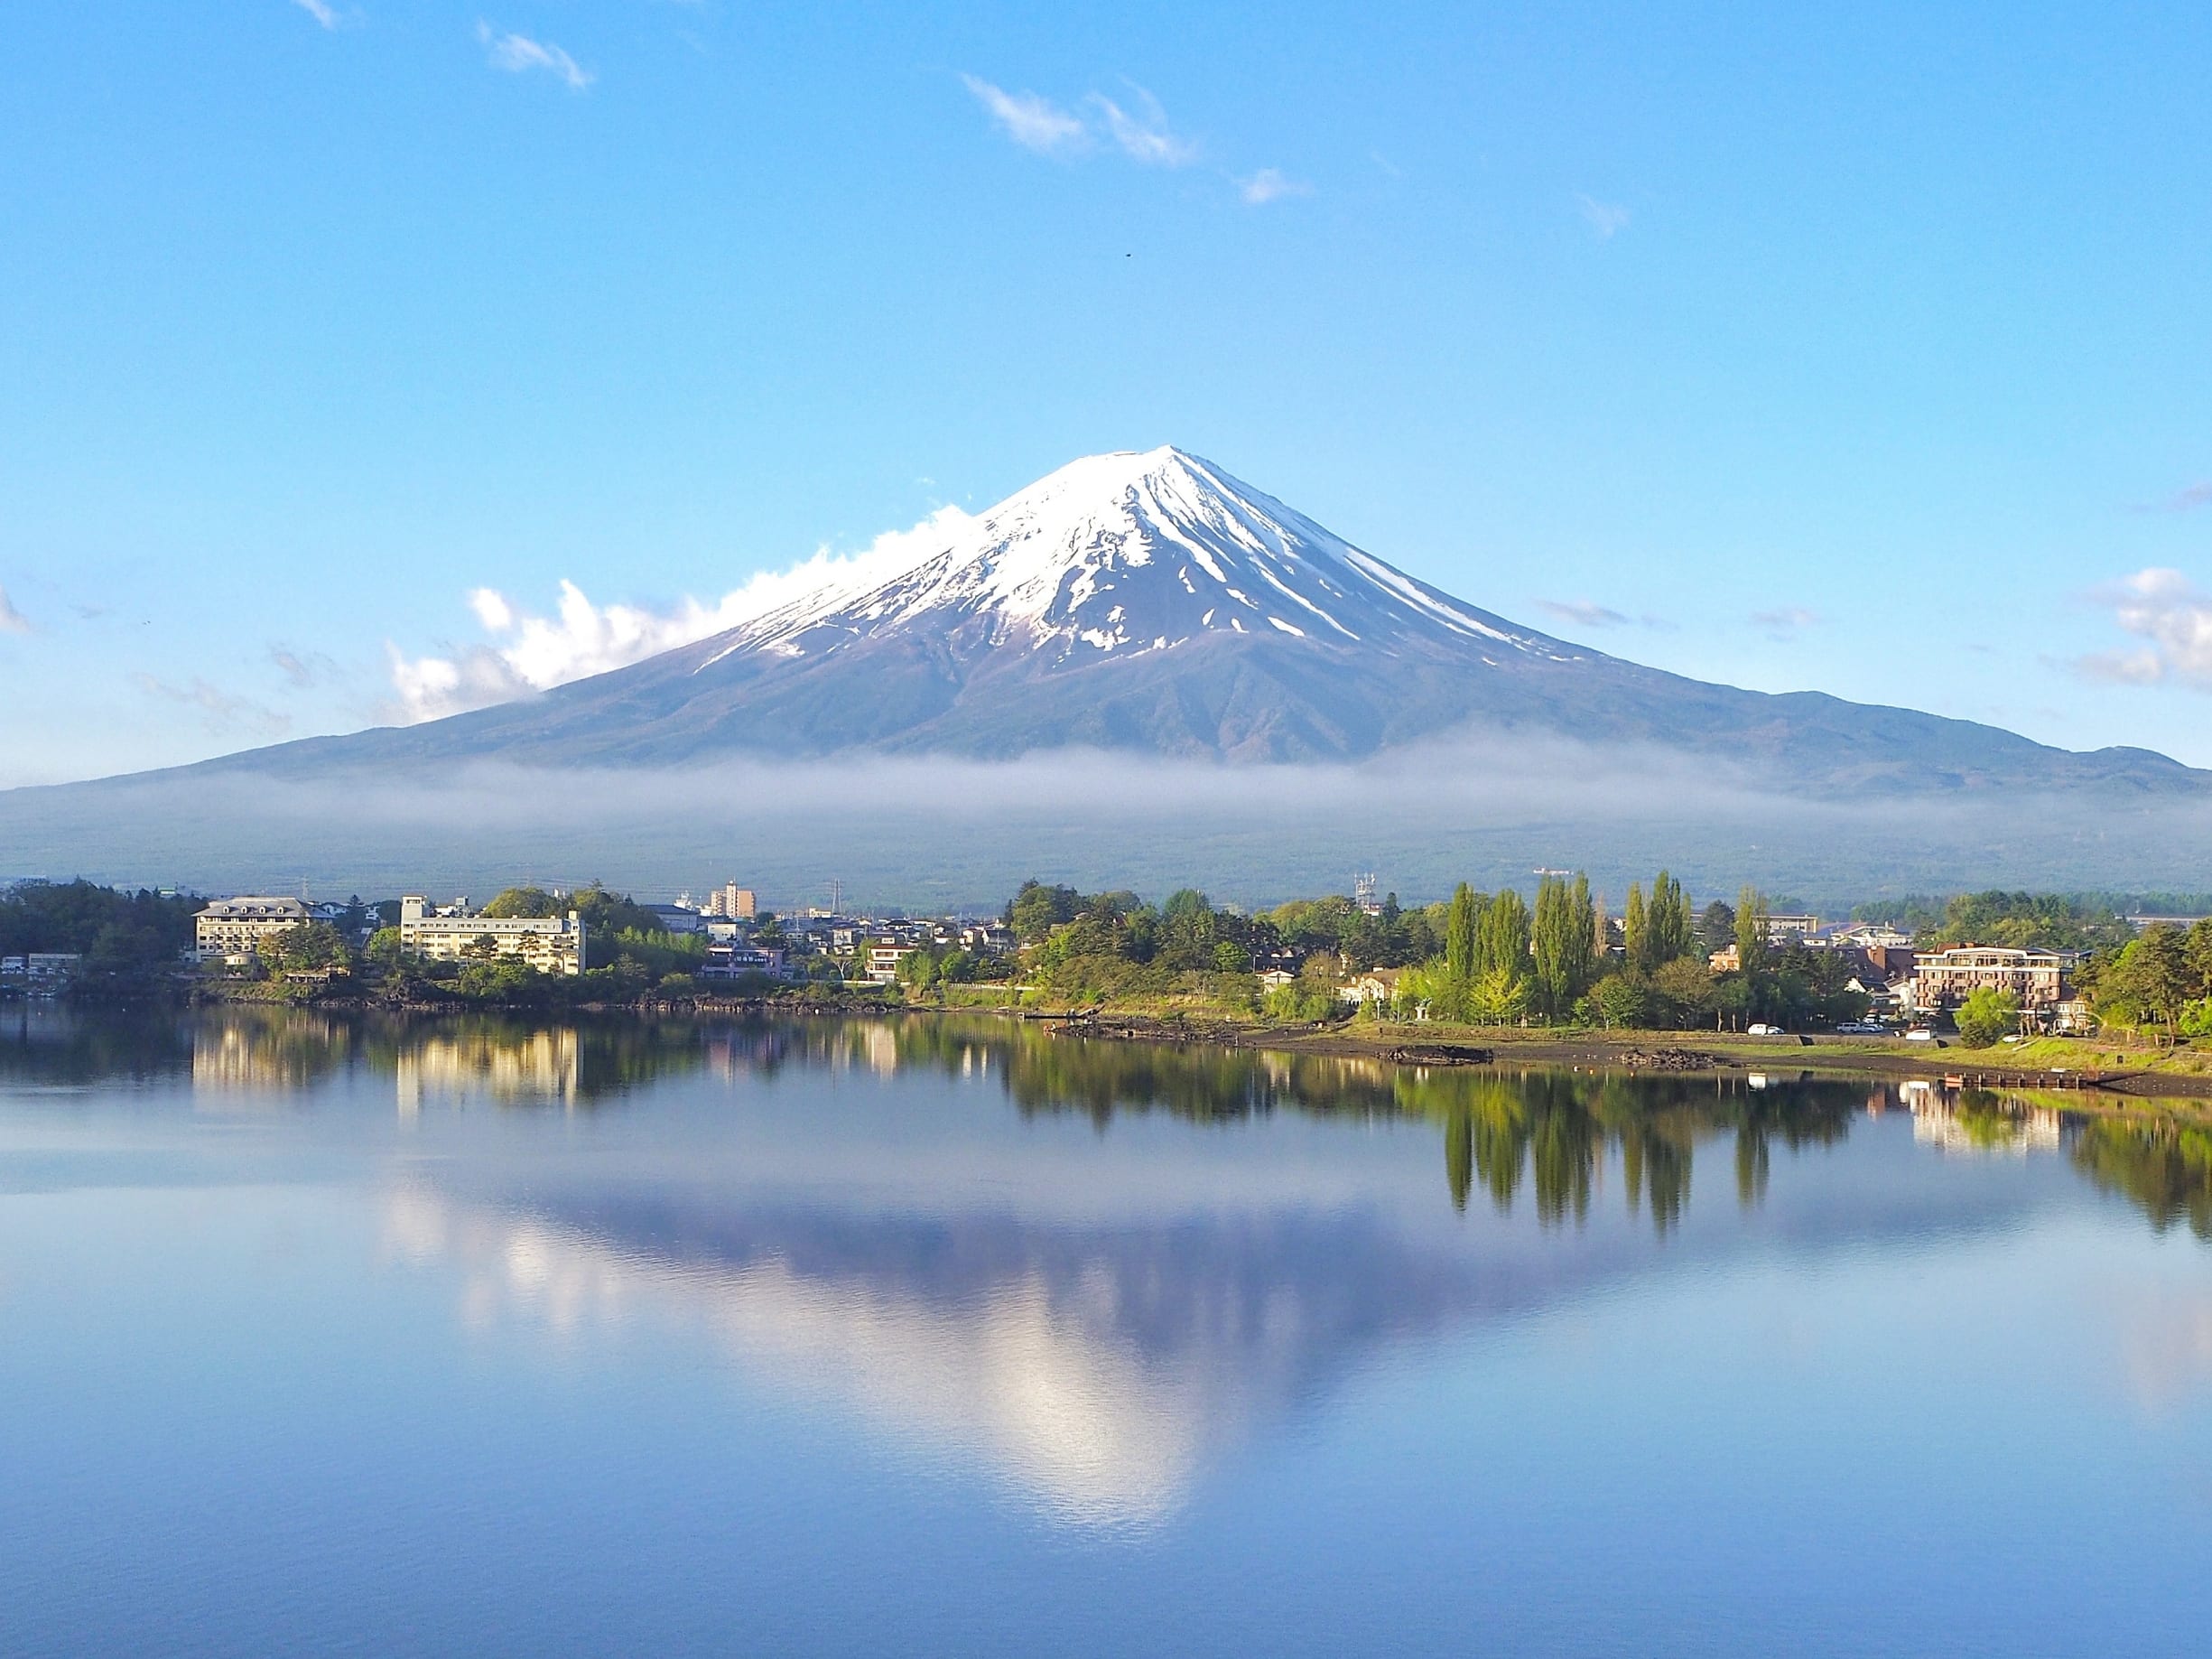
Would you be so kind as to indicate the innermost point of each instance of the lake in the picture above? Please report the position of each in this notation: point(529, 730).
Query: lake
point(959, 1336)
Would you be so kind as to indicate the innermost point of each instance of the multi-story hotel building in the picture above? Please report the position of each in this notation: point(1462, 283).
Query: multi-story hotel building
point(1946, 978)
point(550, 944)
point(234, 927)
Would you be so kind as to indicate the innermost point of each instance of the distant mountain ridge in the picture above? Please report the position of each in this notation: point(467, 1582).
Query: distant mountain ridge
point(1151, 602)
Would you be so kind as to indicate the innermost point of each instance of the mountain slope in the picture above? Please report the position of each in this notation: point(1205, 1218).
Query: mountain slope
point(1151, 602)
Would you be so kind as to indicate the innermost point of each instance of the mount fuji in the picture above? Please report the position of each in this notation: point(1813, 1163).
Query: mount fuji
point(1151, 602)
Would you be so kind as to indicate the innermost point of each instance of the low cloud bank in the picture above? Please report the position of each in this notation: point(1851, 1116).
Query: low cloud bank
point(935, 835)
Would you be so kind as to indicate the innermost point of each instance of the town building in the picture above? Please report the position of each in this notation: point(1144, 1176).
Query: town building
point(230, 929)
point(1375, 985)
point(677, 917)
point(454, 933)
point(41, 973)
point(738, 903)
point(1943, 979)
point(740, 961)
point(1781, 930)
point(881, 960)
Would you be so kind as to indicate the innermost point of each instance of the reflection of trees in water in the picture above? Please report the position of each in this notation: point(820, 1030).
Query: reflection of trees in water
point(55, 1045)
point(2164, 1169)
point(1548, 1130)
point(1555, 1130)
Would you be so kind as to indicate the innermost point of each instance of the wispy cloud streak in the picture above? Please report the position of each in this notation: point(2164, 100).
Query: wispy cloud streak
point(518, 55)
point(1035, 123)
point(12, 621)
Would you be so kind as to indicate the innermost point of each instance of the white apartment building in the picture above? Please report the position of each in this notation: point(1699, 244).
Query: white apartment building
point(550, 944)
point(231, 927)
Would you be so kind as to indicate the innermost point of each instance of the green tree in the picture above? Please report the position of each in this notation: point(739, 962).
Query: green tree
point(1986, 1015)
point(1635, 930)
point(1459, 934)
point(1501, 941)
point(1499, 996)
point(1750, 931)
point(1561, 944)
point(2151, 983)
point(1620, 1000)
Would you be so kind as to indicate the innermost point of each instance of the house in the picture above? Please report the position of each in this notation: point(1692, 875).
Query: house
point(1377, 985)
point(552, 944)
point(231, 929)
point(677, 917)
point(1275, 979)
point(880, 961)
point(1725, 961)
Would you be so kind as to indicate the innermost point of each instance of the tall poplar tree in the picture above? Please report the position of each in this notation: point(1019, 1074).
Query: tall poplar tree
point(1752, 929)
point(1459, 930)
point(1561, 940)
point(1501, 937)
point(1636, 930)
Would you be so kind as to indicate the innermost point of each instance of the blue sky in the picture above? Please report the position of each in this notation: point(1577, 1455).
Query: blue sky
point(1870, 353)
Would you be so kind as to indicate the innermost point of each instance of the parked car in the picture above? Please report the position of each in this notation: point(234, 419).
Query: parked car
point(1762, 1030)
point(1920, 1034)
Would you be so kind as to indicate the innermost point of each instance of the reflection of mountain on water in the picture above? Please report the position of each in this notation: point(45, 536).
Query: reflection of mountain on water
point(1097, 1367)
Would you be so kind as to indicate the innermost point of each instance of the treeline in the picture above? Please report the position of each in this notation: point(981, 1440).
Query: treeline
point(126, 938)
point(1477, 959)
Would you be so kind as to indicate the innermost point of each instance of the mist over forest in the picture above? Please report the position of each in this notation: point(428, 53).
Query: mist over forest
point(933, 835)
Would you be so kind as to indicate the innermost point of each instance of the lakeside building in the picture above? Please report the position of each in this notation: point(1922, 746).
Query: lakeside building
point(1943, 979)
point(738, 962)
point(454, 933)
point(40, 973)
point(230, 929)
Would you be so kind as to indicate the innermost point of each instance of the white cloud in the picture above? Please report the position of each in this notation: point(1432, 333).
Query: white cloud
point(12, 621)
point(2167, 609)
point(1144, 136)
point(1606, 218)
point(518, 53)
point(321, 11)
point(1269, 184)
point(1032, 122)
point(528, 653)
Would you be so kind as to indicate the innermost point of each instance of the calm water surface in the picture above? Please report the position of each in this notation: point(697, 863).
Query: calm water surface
point(943, 1338)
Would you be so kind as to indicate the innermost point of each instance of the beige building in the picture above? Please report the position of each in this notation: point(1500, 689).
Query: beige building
point(232, 927)
point(737, 902)
point(1946, 978)
point(550, 944)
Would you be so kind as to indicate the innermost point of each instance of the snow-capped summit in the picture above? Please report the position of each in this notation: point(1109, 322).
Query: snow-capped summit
point(1127, 552)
